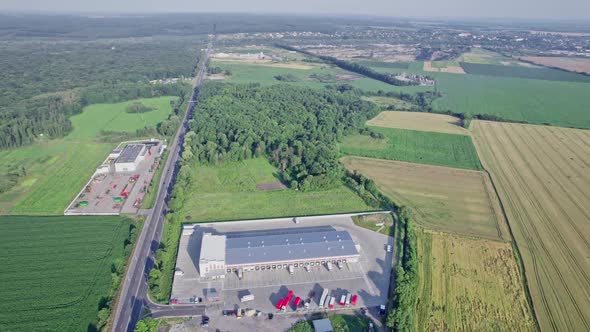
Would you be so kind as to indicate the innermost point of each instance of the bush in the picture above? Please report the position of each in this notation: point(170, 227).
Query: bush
point(302, 326)
point(138, 107)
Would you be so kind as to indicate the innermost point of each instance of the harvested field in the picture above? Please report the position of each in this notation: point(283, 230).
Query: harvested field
point(439, 123)
point(444, 199)
point(469, 285)
point(443, 68)
point(390, 102)
point(543, 179)
point(267, 63)
point(580, 65)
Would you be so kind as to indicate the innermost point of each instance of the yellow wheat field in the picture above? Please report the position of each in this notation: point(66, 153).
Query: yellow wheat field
point(543, 178)
point(440, 123)
point(469, 285)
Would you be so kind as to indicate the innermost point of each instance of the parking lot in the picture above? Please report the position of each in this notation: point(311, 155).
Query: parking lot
point(368, 278)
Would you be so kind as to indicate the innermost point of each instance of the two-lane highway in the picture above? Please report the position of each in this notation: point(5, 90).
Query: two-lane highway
point(133, 295)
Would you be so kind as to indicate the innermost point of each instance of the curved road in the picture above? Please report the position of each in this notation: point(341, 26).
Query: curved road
point(133, 296)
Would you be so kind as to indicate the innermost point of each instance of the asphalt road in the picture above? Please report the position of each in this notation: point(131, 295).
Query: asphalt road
point(133, 296)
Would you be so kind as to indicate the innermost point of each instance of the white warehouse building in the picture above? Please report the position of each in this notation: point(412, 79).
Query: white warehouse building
point(274, 249)
point(130, 157)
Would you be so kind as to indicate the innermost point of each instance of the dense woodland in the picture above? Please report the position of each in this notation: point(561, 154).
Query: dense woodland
point(44, 83)
point(296, 128)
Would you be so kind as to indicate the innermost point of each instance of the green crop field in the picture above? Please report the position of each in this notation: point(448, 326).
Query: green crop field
point(57, 169)
point(228, 192)
point(55, 270)
point(264, 74)
point(415, 146)
point(548, 74)
point(535, 101)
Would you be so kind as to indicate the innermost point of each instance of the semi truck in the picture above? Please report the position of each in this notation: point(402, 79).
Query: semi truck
point(324, 297)
point(348, 297)
point(342, 300)
point(332, 302)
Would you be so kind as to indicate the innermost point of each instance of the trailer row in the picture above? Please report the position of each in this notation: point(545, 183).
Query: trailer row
point(326, 300)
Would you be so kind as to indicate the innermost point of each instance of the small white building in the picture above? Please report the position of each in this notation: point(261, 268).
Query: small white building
point(212, 260)
point(130, 157)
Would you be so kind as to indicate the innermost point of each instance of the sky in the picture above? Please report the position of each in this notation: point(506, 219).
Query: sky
point(526, 9)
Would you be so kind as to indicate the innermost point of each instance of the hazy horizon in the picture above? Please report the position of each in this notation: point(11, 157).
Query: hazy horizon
point(461, 9)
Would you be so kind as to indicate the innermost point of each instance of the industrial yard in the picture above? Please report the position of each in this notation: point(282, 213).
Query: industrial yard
point(271, 281)
point(120, 182)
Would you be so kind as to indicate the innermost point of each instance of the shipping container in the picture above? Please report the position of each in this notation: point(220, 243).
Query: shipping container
point(348, 296)
point(279, 304)
point(297, 301)
point(343, 300)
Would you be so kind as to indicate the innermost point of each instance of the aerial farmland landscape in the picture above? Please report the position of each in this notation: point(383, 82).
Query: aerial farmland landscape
point(298, 167)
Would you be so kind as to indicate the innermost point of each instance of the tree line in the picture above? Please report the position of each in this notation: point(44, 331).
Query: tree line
point(354, 67)
point(401, 314)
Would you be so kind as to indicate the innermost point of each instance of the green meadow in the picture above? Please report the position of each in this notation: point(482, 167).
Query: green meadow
point(57, 169)
point(229, 192)
point(413, 146)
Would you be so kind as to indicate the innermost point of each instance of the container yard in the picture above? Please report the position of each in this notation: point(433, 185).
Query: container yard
point(243, 248)
point(120, 182)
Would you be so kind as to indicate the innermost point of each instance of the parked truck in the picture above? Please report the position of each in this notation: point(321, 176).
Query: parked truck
point(329, 266)
point(291, 269)
point(324, 297)
point(332, 302)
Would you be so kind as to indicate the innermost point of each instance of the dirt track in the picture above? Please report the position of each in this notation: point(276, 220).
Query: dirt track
point(543, 178)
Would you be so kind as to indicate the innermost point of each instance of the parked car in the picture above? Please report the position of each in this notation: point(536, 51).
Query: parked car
point(205, 321)
point(382, 310)
point(388, 248)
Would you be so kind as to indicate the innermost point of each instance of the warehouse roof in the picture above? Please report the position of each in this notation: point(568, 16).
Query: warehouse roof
point(130, 153)
point(212, 247)
point(287, 245)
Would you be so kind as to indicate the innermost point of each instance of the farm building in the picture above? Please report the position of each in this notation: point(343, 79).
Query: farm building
point(130, 157)
point(274, 249)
